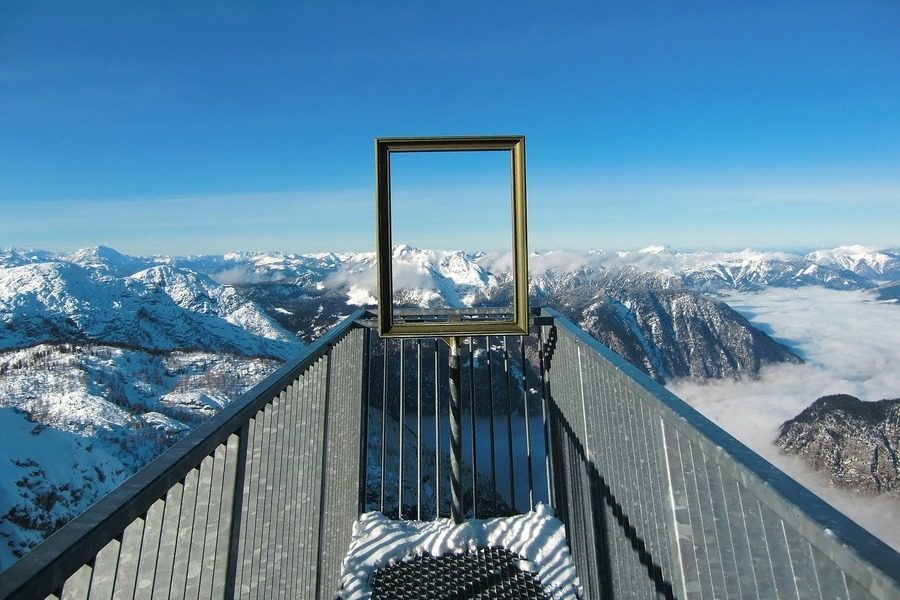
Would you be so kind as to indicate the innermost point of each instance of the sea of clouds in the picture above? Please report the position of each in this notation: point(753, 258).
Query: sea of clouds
point(851, 345)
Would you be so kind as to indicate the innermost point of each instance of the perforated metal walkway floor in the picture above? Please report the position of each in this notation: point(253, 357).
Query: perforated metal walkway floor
point(487, 573)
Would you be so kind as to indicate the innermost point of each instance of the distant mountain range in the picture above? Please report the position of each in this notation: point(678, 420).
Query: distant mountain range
point(456, 275)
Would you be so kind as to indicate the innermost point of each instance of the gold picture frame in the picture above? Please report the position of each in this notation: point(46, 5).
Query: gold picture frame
point(452, 323)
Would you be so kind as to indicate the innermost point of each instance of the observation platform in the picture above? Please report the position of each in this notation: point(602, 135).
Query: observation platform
point(260, 501)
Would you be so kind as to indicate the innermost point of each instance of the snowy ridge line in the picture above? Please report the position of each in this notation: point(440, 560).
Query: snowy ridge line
point(463, 277)
point(538, 536)
point(160, 308)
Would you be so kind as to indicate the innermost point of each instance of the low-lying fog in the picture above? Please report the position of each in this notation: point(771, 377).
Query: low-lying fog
point(851, 345)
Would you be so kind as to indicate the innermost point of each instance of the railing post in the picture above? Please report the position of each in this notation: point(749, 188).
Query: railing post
point(364, 421)
point(455, 433)
point(234, 536)
point(326, 418)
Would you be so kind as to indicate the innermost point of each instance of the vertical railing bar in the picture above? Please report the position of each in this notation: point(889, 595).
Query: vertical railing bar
point(236, 510)
point(305, 403)
point(548, 430)
point(473, 431)
point(240, 521)
point(306, 484)
point(585, 382)
point(487, 343)
point(575, 459)
point(315, 442)
point(608, 407)
point(120, 538)
point(157, 510)
point(211, 470)
point(454, 413)
point(93, 563)
point(214, 540)
point(333, 455)
point(638, 500)
point(589, 390)
point(253, 498)
point(291, 504)
point(262, 543)
point(276, 511)
point(642, 462)
point(248, 539)
point(590, 382)
point(190, 545)
point(364, 421)
point(402, 425)
point(267, 545)
point(322, 493)
point(337, 455)
point(527, 428)
point(227, 500)
point(655, 523)
point(181, 513)
point(303, 432)
point(419, 430)
point(509, 429)
point(277, 519)
point(140, 551)
point(437, 432)
point(175, 547)
point(384, 375)
point(286, 506)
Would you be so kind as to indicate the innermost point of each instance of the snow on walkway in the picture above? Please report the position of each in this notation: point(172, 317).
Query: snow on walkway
point(538, 536)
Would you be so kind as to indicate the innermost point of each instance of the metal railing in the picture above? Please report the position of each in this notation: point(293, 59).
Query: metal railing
point(503, 422)
point(258, 502)
point(660, 502)
point(251, 504)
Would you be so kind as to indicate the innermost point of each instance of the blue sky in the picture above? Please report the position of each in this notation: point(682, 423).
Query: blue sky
point(171, 127)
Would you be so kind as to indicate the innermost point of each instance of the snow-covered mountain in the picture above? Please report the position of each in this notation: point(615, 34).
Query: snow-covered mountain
point(160, 308)
point(868, 262)
point(105, 360)
point(664, 328)
point(465, 278)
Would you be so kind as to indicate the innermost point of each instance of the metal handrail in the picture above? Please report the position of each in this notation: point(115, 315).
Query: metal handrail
point(684, 476)
point(44, 570)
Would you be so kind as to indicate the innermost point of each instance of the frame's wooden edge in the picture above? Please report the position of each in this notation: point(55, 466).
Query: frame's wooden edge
point(515, 144)
point(450, 143)
point(430, 330)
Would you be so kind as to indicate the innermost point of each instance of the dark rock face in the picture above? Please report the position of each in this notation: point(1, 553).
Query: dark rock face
point(854, 443)
point(889, 292)
point(665, 329)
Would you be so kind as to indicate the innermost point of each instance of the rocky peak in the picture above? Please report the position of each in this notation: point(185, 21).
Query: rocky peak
point(853, 442)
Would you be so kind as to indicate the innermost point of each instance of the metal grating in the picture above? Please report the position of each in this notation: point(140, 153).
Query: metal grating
point(485, 573)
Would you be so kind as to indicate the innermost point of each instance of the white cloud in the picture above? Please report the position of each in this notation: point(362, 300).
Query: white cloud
point(851, 345)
